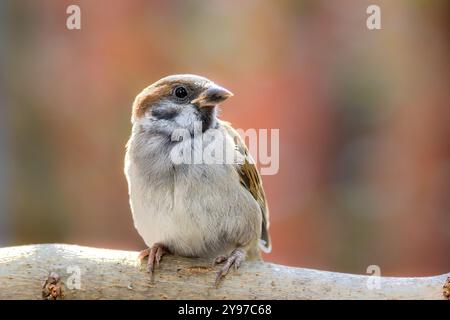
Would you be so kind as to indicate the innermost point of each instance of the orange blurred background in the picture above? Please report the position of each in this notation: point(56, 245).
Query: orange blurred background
point(363, 115)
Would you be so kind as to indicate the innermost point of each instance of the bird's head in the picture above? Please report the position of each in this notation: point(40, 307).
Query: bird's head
point(178, 101)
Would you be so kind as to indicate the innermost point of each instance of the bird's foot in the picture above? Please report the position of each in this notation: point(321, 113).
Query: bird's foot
point(234, 259)
point(154, 255)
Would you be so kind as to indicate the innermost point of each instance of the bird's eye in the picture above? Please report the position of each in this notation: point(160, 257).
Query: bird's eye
point(180, 92)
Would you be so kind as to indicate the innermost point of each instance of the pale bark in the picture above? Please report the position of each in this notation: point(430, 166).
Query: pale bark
point(112, 274)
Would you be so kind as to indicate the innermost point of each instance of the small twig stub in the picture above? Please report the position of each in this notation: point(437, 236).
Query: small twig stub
point(52, 287)
point(447, 288)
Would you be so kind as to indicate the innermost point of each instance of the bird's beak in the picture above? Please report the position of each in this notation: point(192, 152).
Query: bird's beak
point(212, 96)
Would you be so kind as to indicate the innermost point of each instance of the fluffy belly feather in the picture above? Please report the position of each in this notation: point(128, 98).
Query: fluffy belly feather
point(191, 217)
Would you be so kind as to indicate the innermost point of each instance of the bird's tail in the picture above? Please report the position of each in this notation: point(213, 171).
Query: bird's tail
point(265, 246)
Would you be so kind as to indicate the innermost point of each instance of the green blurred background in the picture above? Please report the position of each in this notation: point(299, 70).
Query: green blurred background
point(364, 120)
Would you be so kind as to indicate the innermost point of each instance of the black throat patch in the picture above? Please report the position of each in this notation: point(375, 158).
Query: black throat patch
point(208, 117)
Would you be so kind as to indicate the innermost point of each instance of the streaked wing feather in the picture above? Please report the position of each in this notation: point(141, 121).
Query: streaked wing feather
point(251, 180)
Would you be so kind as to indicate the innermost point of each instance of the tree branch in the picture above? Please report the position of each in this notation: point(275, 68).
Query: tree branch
point(55, 271)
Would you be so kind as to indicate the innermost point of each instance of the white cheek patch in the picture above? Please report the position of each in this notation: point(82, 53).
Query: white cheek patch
point(186, 117)
point(146, 120)
point(150, 123)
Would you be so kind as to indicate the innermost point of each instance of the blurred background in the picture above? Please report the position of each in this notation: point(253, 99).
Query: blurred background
point(364, 120)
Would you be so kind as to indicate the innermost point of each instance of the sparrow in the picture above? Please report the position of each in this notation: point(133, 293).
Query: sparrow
point(216, 209)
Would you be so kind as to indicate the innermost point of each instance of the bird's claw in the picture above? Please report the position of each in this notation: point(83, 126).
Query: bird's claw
point(143, 254)
point(154, 254)
point(235, 259)
point(220, 259)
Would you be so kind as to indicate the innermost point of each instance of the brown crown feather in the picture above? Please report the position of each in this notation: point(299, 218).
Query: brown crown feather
point(163, 88)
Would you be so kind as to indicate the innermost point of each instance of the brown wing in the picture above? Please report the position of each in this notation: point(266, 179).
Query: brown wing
point(251, 180)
